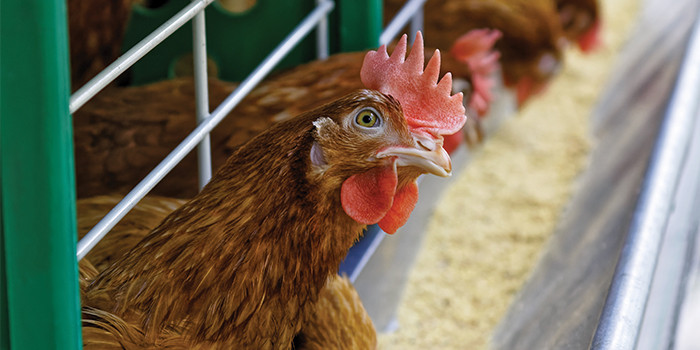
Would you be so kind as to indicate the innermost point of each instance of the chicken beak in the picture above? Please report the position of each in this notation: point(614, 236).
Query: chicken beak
point(427, 154)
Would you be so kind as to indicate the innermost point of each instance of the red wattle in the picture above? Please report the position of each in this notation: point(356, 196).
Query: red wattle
point(367, 197)
point(404, 202)
point(524, 90)
point(590, 40)
point(451, 142)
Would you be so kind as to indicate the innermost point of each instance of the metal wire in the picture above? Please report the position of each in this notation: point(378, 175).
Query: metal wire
point(322, 36)
point(199, 61)
point(622, 315)
point(411, 10)
point(121, 209)
point(106, 76)
point(416, 22)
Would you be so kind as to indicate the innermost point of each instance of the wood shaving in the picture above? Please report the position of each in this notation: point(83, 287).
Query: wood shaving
point(491, 225)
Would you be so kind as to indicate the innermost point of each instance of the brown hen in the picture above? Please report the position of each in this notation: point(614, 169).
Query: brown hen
point(143, 218)
point(580, 20)
point(531, 46)
point(123, 133)
point(242, 264)
point(338, 319)
point(96, 31)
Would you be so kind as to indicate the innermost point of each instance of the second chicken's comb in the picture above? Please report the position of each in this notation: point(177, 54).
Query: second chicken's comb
point(426, 102)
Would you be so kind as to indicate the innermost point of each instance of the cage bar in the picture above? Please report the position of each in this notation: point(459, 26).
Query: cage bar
point(119, 66)
point(322, 36)
point(201, 90)
point(411, 10)
point(121, 209)
point(416, 22)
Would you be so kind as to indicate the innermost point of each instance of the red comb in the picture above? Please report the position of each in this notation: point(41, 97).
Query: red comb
point(590, 40)
point(426, 102)
point(475, 49)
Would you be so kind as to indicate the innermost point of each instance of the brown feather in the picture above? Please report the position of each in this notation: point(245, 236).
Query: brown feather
point(96, 31)
point(144, 217)
point(339, 321)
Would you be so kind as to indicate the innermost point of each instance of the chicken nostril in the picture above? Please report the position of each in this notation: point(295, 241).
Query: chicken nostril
point(426, 144)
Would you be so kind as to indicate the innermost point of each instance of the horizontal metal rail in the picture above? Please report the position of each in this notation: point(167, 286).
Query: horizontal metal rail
point(119, 66)
point(411, 11)
point(203, 129)
point(622, 315)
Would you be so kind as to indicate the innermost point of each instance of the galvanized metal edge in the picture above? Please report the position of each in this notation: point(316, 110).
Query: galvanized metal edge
point(623, 312)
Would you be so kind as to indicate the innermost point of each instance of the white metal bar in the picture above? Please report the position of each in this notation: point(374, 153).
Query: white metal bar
point(416, 23)
point(622, 315)
point(322, 36)
point(118, 212)
point(199, 61)
point(106, 76)
point(406, 13)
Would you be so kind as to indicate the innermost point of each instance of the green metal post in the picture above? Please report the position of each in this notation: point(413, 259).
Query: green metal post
point(37, 179)
point(4, 329)
point(359, 24)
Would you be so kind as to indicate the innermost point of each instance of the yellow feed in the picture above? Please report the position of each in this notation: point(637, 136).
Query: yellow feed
point(493, 221)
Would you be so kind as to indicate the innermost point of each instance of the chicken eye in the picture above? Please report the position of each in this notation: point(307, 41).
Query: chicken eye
point(367, 118)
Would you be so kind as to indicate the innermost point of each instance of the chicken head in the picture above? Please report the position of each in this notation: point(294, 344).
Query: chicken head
point(406, 146)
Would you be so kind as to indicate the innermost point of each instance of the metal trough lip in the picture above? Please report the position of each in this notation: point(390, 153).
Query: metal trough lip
point(623, 312)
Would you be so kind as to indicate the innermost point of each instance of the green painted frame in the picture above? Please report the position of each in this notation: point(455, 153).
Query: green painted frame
point(40, 306)
point(237, 43)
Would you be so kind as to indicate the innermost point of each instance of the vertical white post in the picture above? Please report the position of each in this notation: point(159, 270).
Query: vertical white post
point(416, 23)
point(322, 36)
point(199, 52)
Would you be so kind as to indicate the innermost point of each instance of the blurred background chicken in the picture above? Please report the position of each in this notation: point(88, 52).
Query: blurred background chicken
point(531, 45)
point(123, 133)
point(580, 20)
point(243, 263)
point(96, 32)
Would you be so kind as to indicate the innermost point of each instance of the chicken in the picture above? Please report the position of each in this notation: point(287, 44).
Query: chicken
point(123, 133)
point(532, 42)
point(143, 218)
point(96, 31)
point(338, 319)
point(580, 20)
point(242, 264)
